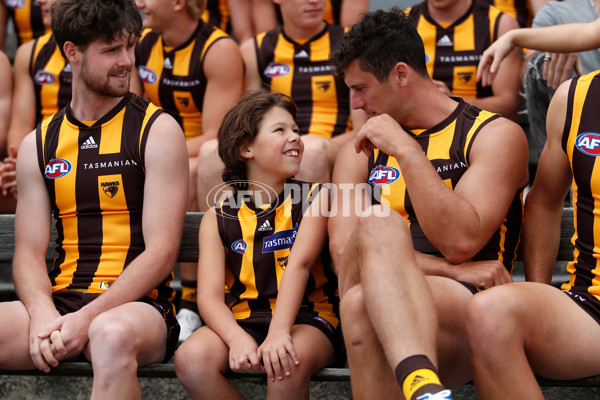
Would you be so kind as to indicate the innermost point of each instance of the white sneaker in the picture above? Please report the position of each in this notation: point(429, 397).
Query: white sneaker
point(189, 321)
point(443, 395)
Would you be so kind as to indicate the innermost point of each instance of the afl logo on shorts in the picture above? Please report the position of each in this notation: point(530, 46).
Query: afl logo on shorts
point(15, 4)
point(239, 246)
point(56, 168)
point(588, 143)
point(44, 78)
point(383, 175)
point(147, 75)
point(276, 70)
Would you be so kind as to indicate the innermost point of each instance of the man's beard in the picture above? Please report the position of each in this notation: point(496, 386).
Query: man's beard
point(104, 88)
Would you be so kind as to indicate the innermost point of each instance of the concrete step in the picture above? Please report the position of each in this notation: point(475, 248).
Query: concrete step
point(79, 388)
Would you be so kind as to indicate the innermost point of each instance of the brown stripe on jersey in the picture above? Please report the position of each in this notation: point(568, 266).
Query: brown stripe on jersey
point(568, 119)
point(217, 14)
point(46, 147)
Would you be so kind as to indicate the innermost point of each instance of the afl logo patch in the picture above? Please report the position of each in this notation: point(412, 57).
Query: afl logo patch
point(239, 246)
point(588, 143)
point(44, 78)
point(276, 70)
point(147, 75)
point(56, 168)
point(383, 175)
point(15, 4)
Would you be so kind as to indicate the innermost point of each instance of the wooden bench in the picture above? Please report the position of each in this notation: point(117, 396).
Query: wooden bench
point(188, 252)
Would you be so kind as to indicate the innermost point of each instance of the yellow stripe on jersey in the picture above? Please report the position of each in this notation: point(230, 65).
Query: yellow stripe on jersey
point(115, 229)
point(283, 51)
point(182, 60)
point(441, 142)
point(464, 40)
point(150, 111)
point(397, 199)
point(112, 134)
point(247, 276)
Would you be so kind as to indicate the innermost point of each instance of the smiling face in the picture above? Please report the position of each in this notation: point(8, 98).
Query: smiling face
point(157, 13)
point(106, 67)
point(277, 148)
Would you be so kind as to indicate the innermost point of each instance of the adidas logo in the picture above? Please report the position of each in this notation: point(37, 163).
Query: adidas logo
point(67, 68)
point(445, 41)
point(168, 64)
point(89, 144)
point(416, 380)
point(266, 226)
point(301, 54)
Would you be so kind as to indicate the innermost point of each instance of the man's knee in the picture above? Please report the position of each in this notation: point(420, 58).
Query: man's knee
point(355, 320)
point(489, 318)
point(379, 224)
point(207, 168)
point(315, 159)
point(112, 336)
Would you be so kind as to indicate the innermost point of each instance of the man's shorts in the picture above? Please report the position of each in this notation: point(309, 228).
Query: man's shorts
point(586, 301)
point(70, 301)
point(257, 326)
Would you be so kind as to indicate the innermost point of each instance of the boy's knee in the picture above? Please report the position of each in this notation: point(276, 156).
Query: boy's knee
point(193, 362)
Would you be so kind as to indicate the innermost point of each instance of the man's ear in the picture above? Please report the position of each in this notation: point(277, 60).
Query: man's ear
point(402, 72)
point(246, 151)
point(71, 52)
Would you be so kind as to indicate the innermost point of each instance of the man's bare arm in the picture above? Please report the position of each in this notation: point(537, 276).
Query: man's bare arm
point(457, 222)
point(544, 202)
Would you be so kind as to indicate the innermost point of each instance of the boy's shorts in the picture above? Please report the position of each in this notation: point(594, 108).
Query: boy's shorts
point(257, 326)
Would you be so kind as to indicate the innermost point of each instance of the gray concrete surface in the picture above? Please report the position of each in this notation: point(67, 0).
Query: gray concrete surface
point(52, 388)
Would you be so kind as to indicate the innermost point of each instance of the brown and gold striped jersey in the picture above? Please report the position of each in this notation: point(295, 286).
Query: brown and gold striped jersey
point(303, 72)
point(448, 146)
point(94, 173)
point(452, 52)
point(581, 143)
point(173, 78)
point(27, 19)
point(217, 14)
point(258, 242)
point(51, 75)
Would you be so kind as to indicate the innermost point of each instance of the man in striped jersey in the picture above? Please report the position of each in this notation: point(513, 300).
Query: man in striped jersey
point(101, 167)
point(446, 182)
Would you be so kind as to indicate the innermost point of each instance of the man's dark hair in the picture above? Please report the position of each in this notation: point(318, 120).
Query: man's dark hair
point(241, 125)
point(85, 21)
point(379, 41)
